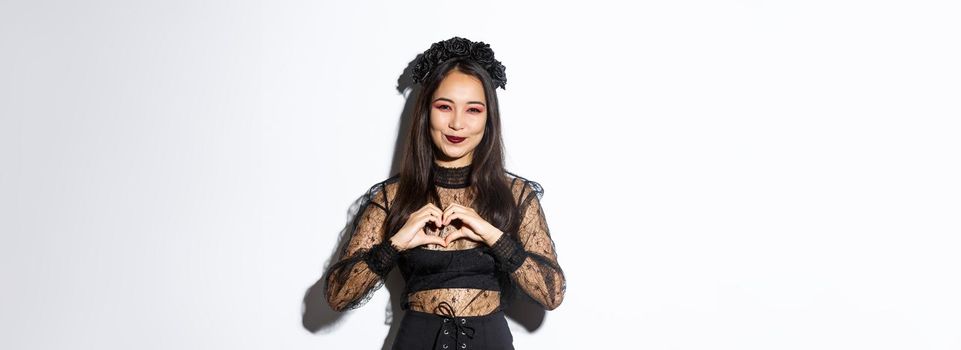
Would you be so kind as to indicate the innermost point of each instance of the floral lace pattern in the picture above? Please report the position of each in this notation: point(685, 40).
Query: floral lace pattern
point(526, 259)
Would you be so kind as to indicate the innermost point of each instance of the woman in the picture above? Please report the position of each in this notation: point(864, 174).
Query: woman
point(464, 231)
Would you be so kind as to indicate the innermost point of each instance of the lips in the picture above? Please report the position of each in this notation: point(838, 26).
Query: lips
point(454, 139)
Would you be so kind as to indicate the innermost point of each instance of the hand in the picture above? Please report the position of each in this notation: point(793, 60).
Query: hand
point(412, 235)
point(473, 226)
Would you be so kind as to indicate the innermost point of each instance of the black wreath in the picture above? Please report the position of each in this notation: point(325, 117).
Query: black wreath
point(459, 47)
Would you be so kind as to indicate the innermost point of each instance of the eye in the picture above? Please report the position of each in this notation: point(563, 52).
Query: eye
point(443, 107)
point(475, 109)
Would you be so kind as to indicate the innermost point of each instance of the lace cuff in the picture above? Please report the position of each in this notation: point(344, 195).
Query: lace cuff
point(508, 253)
point(382, 257)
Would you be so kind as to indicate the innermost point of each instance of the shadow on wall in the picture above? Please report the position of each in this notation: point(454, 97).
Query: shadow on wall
point(317, 314)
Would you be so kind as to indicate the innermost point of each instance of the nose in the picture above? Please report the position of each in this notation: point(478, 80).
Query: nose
point(455, 121)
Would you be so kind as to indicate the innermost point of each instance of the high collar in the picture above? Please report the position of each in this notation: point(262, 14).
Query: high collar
point(451, 177)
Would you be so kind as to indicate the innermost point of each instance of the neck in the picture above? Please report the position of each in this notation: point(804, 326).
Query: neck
point(456, 163)
point(449, 162)
point(451, 176)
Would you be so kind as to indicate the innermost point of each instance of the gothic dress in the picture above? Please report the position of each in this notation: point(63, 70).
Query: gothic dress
point(454, 296)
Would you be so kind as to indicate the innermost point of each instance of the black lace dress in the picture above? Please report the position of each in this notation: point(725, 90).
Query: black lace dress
point(467, 280)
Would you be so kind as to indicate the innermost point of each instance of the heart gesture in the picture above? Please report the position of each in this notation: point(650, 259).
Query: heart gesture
point(472, 227)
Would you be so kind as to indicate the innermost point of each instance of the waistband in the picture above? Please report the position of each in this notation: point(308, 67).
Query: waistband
point(459, 329)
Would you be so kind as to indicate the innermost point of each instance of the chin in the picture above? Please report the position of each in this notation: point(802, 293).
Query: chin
point(453, 156)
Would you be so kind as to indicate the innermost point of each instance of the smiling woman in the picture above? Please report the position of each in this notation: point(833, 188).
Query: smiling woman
point(466, 233)
point(457, 114)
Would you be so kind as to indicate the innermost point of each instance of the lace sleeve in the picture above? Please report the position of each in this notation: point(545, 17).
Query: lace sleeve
point(365, 259)
point(531, 262)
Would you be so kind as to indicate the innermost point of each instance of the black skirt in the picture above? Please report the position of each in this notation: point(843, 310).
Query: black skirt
point(421, 331)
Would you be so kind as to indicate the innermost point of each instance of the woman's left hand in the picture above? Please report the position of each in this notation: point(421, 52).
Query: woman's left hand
point(472, 227)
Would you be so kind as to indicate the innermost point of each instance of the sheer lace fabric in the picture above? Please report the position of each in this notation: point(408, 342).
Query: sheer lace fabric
point(525, 260)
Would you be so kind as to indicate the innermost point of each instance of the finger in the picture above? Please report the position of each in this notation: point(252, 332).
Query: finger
point(420, 216)
point(463, 233)
point(426, 217)
point(451, 209)
point(454, 235)
point(435, 240)
point(435, 216)
point(465, 217)
point(439, 214)
point(423, 209)
point(453, 205)
point(465, 208)
point(429, 207)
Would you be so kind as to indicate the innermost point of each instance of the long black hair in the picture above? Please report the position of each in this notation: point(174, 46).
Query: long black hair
point(489, 185)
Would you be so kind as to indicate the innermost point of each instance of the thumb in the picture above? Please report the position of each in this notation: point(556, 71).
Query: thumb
point(454, 236)
point(436, 240)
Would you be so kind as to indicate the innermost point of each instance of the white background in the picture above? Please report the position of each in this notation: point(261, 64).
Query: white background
point(718, 174)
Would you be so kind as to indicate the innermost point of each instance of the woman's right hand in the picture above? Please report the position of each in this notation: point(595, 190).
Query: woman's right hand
point(412, 235)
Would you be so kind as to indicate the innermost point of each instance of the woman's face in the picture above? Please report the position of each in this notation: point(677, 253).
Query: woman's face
point(458, 113)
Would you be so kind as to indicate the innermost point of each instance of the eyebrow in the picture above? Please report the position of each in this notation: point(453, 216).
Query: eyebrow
point(451, 101)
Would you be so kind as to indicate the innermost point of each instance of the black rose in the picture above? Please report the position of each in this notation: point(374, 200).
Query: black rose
point(457, 46)
point(421, 69)
point(498, 74)
point(482, 53)
point(436, 55)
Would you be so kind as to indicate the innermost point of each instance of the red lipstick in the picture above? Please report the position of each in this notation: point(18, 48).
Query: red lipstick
point(454, 139)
